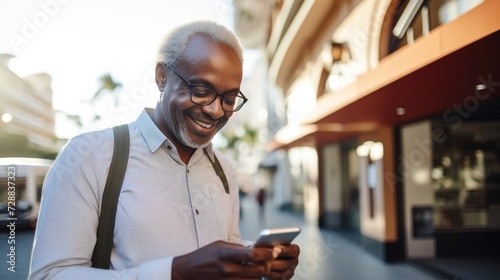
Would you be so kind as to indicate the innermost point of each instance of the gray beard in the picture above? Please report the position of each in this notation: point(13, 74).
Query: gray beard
point(188, 142)
point(184, 138)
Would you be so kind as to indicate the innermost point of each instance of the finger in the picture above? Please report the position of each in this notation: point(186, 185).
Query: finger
point(246, 255)
point(284, 264)
point(289, 251)
point(277, 251)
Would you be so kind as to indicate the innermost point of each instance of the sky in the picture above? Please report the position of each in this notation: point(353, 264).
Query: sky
point(77, 41)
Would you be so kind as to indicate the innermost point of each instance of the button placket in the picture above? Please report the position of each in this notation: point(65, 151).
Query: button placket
point(195, 212)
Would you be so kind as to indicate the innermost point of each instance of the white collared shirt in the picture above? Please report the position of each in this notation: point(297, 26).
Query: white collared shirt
point(166, 208)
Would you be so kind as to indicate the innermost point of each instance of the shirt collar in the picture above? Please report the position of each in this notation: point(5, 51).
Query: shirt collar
point(155, 138)
point(151, 133)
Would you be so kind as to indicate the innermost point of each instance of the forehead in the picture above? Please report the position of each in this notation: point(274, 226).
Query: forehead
point(204, 56)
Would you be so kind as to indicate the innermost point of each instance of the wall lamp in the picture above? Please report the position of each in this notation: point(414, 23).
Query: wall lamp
point(334, 52)
point(407, 17)
point(340, 52)
point(373, 149)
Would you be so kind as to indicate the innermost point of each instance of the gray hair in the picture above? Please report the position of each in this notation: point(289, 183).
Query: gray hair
point(173, 45)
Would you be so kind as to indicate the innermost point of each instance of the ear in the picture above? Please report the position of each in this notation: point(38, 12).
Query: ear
point(160, 76)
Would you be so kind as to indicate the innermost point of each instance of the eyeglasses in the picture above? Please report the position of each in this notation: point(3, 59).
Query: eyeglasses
point(202, 95)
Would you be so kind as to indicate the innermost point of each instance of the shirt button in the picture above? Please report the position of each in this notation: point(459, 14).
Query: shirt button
point(188, 170)
point(197, 212)
point(169, 147)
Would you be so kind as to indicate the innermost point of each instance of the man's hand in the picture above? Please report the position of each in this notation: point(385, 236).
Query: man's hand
point(286, 259)
point(223, 260)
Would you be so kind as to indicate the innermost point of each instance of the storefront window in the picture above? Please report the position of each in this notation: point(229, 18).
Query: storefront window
point(427, 16)
point(466, 176)
point(451, 9)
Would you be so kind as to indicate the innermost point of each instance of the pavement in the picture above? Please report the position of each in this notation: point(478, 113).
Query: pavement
point(329, 255)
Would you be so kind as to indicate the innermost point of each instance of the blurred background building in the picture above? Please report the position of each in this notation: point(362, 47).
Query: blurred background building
point(26, 112)
point(378, 118)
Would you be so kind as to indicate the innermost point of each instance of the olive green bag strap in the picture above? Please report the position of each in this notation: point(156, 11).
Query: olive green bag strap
point(219, 171)
point(101, 257)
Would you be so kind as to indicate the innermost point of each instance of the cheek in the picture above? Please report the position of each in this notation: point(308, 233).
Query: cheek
point(174, 107)
point(178, 103)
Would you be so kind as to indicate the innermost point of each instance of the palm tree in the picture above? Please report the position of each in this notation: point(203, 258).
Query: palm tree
point(75, 118)
point(108, 84)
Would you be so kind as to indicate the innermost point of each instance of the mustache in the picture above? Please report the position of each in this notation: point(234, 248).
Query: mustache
point(206, 118)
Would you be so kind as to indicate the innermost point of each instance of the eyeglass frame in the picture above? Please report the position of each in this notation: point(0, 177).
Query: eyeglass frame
point(217, 94)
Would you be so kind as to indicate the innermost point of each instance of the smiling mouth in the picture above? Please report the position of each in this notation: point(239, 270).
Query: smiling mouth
point(203, 124)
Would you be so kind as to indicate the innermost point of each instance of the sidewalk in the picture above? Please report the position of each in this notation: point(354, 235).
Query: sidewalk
point(326, 255)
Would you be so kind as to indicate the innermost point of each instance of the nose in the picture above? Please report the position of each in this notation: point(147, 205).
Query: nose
point(214, 109)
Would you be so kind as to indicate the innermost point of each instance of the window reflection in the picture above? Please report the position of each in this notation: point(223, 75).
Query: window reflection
point(466, 176)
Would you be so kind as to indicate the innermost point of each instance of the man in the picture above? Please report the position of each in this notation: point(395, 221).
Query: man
point(174, 219)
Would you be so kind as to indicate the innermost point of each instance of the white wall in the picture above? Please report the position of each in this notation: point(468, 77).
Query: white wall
point(332, 182)
point(373, 227)
point(282, 192)
point(417, 183)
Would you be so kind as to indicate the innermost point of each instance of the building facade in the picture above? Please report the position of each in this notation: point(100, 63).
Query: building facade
point(26, 107)
point(392, 123)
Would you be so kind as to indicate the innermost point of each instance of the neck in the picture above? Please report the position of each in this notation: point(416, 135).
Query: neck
point(184, 151)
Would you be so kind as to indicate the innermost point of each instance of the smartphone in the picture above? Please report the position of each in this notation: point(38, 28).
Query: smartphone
point(278, 236)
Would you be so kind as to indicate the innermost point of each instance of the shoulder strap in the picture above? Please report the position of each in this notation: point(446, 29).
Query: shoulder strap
point(101, 257)
point(219, 171)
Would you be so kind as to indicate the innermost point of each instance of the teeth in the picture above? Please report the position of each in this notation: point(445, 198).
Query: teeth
point(205, 125)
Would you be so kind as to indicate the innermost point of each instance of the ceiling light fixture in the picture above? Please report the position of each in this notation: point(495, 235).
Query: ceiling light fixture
point(481, 86)
point(400, 111)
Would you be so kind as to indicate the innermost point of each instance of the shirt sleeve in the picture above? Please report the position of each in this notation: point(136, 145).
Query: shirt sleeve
point(69, 213)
